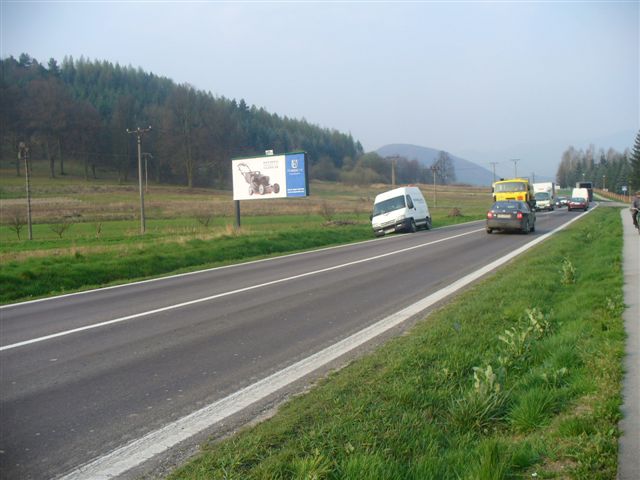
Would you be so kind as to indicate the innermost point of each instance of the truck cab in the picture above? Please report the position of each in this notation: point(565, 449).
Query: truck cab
point(514, 189)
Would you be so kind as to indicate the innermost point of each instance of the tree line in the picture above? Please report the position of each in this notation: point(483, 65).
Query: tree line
point(606, 169)
point(80, 110)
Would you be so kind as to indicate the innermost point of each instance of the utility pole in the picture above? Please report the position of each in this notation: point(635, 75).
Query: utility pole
point(139, 132)
point(394, 163)
point(434, 169)
point(146, 156)
point(515, 167)
point(393, 171)
point(23, 151)
point(493, 164)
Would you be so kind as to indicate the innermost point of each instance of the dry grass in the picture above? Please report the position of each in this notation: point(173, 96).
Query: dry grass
point(199, 213)
point(102, 200)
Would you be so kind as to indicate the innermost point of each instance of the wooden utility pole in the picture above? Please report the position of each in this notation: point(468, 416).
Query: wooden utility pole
point(24, 153)
point(493, 164)
point(434, 169)
point(515, 167)
point(139, 132)
point(393, 171)
point(146, 156)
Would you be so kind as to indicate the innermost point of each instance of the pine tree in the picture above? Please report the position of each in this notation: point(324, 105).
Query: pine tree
point(634, 179)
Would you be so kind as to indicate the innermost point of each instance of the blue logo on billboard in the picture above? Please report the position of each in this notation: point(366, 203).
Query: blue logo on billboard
point(296, 178)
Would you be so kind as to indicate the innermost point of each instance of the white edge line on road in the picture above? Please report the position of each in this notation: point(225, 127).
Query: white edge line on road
point(196, 272)
point(135, 453)
point(220, 295)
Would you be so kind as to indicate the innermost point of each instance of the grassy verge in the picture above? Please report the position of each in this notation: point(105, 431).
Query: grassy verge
point(518, 378)
point(37, 276)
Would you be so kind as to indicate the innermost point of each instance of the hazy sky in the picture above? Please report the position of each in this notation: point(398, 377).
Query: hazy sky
point(489, 81)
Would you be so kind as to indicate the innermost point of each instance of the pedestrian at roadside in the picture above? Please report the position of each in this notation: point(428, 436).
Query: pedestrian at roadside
point(635, 206)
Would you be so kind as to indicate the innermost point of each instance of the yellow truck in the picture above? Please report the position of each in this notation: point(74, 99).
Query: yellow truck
point(514, 189)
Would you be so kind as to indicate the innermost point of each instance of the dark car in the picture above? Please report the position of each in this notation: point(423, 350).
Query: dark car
point(562, 202)
point(578, 203)
point(511, 215)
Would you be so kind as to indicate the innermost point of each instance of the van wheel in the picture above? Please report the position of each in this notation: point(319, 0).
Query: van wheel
point(412, 226)
point(427, 224)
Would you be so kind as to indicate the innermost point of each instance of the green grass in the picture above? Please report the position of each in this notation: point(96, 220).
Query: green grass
point(462, 398)
point(34, 277)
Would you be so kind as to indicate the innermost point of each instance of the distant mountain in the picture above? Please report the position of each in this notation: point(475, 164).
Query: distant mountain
point(466, 171)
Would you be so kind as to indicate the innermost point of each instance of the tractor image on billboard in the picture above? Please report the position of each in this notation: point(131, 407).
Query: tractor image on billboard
point(258, 183)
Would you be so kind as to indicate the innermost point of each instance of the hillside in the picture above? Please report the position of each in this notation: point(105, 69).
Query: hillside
point(82, 110)
point(466, 171)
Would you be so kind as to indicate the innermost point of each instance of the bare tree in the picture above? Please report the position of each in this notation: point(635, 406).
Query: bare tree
point(60, 227)
point(326, 210)
point(445, 172)
point(204, 219)
point(16, 222)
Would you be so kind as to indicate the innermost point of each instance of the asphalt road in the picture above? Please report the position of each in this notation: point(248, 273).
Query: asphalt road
point(176, 344)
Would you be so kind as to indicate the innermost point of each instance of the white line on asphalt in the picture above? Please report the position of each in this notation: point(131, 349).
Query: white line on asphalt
point(135, 453)
point(220, 295)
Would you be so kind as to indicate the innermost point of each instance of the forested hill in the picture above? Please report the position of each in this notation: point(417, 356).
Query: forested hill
point(81, 109)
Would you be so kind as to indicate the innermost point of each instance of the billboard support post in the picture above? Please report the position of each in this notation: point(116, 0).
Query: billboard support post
point(237, 204)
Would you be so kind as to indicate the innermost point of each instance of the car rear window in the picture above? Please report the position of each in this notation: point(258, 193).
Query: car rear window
point(506, 206)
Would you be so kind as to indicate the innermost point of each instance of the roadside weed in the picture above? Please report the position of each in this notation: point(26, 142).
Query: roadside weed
point(568, 272)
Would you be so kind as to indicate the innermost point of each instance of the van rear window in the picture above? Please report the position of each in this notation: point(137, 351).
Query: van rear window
point(388, 205)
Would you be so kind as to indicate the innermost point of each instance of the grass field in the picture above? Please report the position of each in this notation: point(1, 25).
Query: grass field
point(517, 378)
point(87, 233)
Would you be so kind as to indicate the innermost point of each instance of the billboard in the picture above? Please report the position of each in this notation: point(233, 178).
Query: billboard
point(271, 176)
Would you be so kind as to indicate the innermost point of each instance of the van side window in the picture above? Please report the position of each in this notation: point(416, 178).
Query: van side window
point(409, 202)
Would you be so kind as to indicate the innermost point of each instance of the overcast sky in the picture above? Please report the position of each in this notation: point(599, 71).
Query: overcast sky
point(488, 81)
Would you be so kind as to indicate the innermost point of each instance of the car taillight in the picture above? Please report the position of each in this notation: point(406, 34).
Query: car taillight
point(489, 214)
point(519, 215)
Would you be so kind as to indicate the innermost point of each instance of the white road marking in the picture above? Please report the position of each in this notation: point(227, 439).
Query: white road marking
point(220, 295)
point(135, 453)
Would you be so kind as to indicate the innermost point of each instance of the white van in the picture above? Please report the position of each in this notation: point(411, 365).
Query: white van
point(400, 209)
point(580, 193)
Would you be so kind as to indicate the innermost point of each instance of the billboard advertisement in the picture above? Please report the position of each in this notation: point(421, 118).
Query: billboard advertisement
point(271, 176)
